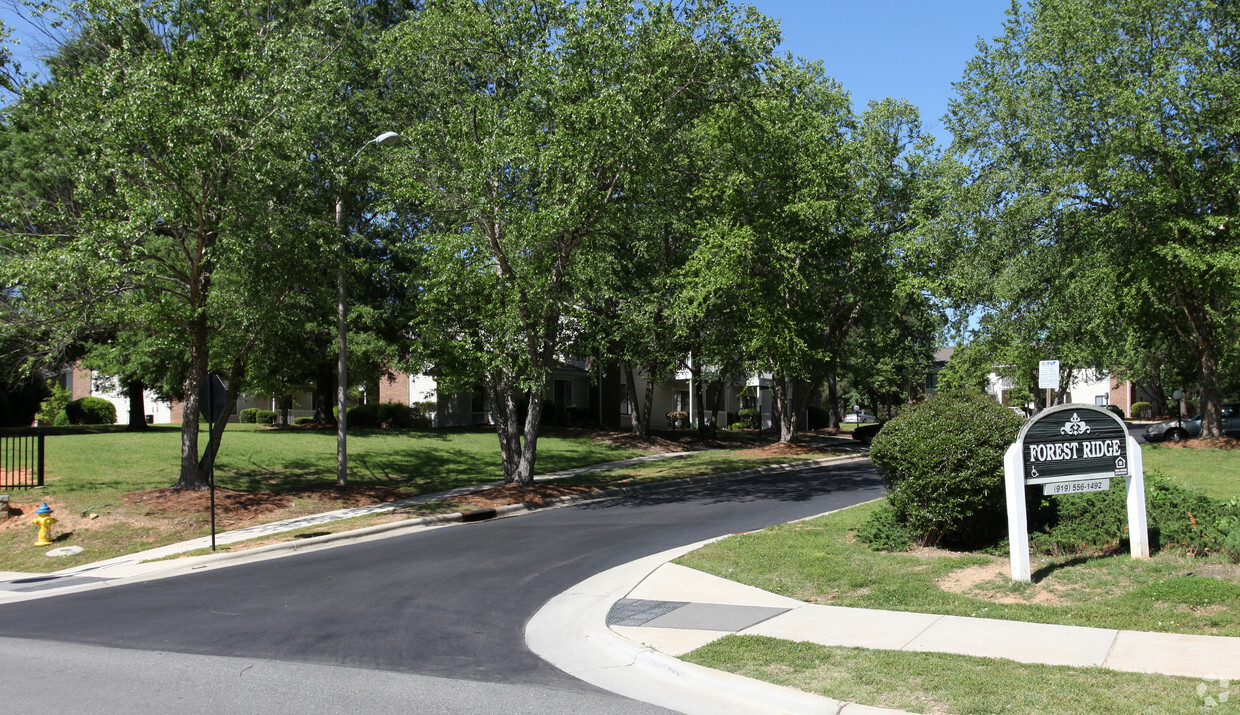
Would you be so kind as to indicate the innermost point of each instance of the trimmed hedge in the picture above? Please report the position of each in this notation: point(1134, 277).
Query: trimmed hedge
point(91, 411)
point(942, 459)
point(248, 415)
point(387, 415)
point(749, 417)
point(265, 417)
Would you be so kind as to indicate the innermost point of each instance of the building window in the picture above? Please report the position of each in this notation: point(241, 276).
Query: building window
point(563, 393)
point(1102, 400)
point(681, 402)
point(624, 399)
point(749, 402)
point(480, 403)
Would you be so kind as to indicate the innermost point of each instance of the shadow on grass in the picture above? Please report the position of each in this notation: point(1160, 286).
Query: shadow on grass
point(415, 472)
point(1046, 571)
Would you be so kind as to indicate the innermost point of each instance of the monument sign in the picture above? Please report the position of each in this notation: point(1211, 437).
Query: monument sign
point(1071, 449)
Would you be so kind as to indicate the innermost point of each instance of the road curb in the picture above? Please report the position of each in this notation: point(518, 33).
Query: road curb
point(571, 633)
point(506, 511)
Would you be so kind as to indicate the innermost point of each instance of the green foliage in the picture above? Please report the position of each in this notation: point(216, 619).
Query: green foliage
point(265, 417)
point(1178, 517)
point(19, 403)
point(884, 531)
point(942, 459)
point(1094, 220)
point(91, 411)
point(388, 415)
point(749, 417)
point(1141, 410)
point(248, 415)
point(54, 404)
point(62, 419)
point(303, 421)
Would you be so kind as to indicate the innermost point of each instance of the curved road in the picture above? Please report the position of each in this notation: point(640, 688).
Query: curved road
point(447, 607)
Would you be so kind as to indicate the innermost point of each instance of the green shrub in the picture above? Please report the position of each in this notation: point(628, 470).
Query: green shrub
point(1140, 410)
point(819, 417)
point(943, 462)
point(265, 417)
point(303, 420)
point(576, 415)
point(62, 419)
point(883, 531)
point(91, 411)
point(395, 415)
point(364, 416)
point(1098, 521)
point(750, 417)
point(248, 416)
point(54, 404)
point(387, 415)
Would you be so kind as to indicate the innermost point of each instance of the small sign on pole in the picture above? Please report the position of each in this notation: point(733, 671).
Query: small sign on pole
point(1067, 450)
point(212, 399)
point(1048, 375)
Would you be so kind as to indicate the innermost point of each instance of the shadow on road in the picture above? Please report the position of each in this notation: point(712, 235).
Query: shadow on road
point(795, 486)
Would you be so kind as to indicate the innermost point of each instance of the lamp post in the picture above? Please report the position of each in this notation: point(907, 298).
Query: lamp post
point(342, 367)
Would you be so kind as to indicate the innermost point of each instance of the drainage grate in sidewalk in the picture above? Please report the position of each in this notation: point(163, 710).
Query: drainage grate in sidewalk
point(688, 616)
point(639, 611)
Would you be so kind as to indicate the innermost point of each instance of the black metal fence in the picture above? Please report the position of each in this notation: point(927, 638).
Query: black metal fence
point(21, 461)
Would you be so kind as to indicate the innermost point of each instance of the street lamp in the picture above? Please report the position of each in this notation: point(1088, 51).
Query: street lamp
point(342, 368)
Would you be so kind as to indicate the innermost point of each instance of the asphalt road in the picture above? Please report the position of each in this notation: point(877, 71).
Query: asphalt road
point(444, 608)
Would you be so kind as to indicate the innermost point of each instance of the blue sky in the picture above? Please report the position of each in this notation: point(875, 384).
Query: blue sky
point(912, 49)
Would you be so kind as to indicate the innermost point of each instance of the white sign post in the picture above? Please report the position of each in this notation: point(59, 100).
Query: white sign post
point(1071, 449)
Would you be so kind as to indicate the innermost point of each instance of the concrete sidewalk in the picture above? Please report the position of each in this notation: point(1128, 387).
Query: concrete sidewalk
point(622, 629)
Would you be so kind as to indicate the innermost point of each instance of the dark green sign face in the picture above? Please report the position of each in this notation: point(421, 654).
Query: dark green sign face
point(1072, 442)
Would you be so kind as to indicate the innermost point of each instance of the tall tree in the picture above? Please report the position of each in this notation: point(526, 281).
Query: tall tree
point(1105, 133)
point(532, 120)
point(192, 125)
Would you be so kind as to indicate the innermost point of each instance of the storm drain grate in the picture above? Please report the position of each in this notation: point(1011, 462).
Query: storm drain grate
point(639, 611)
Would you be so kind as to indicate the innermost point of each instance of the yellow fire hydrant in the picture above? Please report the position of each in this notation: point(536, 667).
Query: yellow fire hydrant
point(44, 521)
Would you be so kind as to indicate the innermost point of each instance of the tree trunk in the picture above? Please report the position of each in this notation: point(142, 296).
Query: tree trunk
point(504, 412)
point(833, 403)
point(1211, 394)
point(639, 414)
point(529, 447)
point(325, 393)
point(191, 476)
point(782, 389)
point(137, 406)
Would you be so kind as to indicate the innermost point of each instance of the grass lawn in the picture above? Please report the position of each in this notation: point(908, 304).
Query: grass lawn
point(939, 682)
point(819, 561)
point(94, 473)
point(1214, 472)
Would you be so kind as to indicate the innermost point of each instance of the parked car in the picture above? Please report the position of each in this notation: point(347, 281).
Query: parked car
point(859, 417)
point(1176, 430)
point(1117, 410)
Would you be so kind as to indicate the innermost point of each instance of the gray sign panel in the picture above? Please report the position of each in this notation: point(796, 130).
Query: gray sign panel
point(1072, 442)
